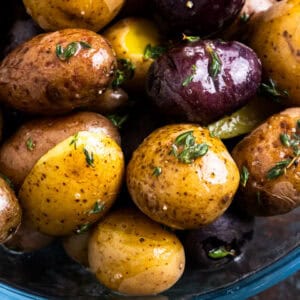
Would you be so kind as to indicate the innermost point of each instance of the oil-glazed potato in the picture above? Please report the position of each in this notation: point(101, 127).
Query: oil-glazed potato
point(10, 212)
point(73, 184)
point(56, 72)
point(19, 153)
point(131, 254)
point(182, 177)
point(268, 159)
point(275, 36)
point(53, 15)
point(130, 38)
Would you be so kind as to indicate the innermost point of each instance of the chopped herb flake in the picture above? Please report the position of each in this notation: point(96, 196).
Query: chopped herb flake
point(118, 120)
point(70, 50)
point(157, 171)
point(220, 252)
point(215, 64)
point(154, 52)
point(74, 140)
point(8, 181)
point(30, 145)
point(124, 72)
point(270, 89)
point(190, 78)
point(98, 207)
point(83, 228)
point(89, 157)
point(190, 38)
point(244, 17)
point(244, 176)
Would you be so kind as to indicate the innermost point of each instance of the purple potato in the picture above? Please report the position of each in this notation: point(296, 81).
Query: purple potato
point(199, 17)
point(220, 242)
point(203, 81)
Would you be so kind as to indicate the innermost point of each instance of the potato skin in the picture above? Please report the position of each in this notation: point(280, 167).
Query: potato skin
point(34, 80)
point(183, 196)
point(60, 193)
point(276, 40)
point(259, 152)
point(131, 254)
point(59, 14)
point(16, 160)
point(10, 212)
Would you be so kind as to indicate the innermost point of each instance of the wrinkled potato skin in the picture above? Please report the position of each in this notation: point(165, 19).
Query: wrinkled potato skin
point(275, 37)
point(60, 192)
point(259, 152)
point(53, 15)
point(27, 239)
point(183, 196)
point(34, 80)
point(131, 254)
point(16, 160)
point(76, 246)
point(10, 212)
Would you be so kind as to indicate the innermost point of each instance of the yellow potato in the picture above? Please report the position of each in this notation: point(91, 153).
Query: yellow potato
point(275, 37)
point(52, 15)
point(131, 254)
point(74, 184)
point(129, 38)
point(172, 187)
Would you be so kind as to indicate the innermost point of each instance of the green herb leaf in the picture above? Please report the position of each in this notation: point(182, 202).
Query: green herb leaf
point(270, 89)
point(154, 52)
point(70, 50)
point(278, 169)
point(157, 171)
point(190, 38)
point(285, 139)
point(30, 145)
point(190, 78)
point(83, 228)
point(124, 72)
point(74, 140)
point(98, 207)
point(89, 157)
point(244, 176)
point(8, 181)
point(184, 138)
point(244, 17)
point(220, 252)
point(118, 120)
point(215, 64)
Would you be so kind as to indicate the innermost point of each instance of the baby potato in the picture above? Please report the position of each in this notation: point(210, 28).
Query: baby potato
point(268, 159)
point(73, 184)
point(133, 255)
point(57, 72)
point(20, 152)
point(182, 177)
point(53, 15)
point(10, 212)
point(129, 38)
point(275, 37)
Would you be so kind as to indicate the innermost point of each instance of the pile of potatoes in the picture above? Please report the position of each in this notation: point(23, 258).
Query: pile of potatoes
point(64, 169)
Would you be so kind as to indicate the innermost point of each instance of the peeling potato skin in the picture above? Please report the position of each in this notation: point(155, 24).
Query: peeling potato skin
point(34, 80)
point(16, 160)
point(275, 37)
point(10, 212)
point(259, 152)
point(131, 254)
point(183, 196)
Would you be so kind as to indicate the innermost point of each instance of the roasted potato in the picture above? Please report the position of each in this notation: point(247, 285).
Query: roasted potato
point(19, 154)
point(131, 254)
point(268, 159)
point(59, 14)
point(10, 212)
point(275, 36)
point(182, 177)
point(56, 72)
point(73, 184)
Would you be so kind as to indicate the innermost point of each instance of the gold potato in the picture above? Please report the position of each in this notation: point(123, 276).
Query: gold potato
point(10, 212)
point(182, 177)
point(74, 184)
point(57, 72)
point(275, 37)
point(53, 15)
point(131, 254)
point(269, 164)
point(19, 154)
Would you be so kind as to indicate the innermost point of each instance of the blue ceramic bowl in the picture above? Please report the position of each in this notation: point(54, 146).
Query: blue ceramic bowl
point(272, 255)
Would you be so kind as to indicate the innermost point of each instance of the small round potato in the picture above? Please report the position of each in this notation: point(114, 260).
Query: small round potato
point(131, 254)
point(182, 177)
point(53, 15)
point(10, 212)
point(57, 72)
point(19, 154)
point(74, 184)
point(130, 38)
point(269, 162)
